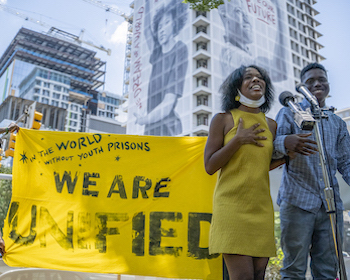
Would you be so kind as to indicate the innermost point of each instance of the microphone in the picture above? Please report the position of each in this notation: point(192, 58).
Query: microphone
point(287, 97)
point(308, 95)
point(303, 119)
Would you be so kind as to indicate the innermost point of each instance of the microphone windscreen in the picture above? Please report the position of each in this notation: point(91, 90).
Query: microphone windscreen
point(298, 86)
point(285, 97)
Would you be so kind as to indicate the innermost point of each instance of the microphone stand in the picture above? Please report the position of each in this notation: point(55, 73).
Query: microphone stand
point(329, 194)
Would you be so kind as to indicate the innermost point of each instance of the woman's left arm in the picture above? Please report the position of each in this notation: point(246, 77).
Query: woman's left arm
point(280, 161)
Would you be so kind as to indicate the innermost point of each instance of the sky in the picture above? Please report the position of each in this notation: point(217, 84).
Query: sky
point(334, 18)
point(109, 30)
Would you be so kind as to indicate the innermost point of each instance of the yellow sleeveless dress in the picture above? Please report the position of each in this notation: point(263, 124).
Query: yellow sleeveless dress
point(243, 216)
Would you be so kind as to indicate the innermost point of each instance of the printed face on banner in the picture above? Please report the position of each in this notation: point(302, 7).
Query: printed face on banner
point(253, 36)
point(167, 49)
point(255, 33)
point(237, 24)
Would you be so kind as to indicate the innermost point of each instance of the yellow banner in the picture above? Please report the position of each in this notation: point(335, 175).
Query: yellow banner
point(108, 203)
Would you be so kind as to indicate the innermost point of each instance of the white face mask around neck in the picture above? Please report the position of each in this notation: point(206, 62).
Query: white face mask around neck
point(249, 102)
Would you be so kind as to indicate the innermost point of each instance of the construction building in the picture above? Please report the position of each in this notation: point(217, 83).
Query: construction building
point(54, 69)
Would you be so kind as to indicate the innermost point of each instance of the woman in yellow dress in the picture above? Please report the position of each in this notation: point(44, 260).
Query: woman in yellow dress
point(239, 147)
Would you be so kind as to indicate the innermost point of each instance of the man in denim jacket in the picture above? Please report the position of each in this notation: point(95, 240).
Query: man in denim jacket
point(305, 224)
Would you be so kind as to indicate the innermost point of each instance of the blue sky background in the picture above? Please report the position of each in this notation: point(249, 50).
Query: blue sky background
point(109, 30)
point(335, 21)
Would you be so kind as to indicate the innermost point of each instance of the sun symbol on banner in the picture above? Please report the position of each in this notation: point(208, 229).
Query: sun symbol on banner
point(24, 157)
point(117, 158)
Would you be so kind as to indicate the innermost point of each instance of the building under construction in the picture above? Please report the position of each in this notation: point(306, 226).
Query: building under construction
point(54, 69)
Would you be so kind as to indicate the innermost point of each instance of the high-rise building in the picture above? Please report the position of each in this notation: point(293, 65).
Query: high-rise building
point(54, 69)
point(303, 34)
point(180, 57)
point(345, 115)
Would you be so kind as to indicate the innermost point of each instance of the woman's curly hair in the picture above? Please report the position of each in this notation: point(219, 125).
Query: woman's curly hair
point(177, 10)
point(234, 82)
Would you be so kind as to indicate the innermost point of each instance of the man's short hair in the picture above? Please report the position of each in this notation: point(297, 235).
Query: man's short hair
point(310, 66)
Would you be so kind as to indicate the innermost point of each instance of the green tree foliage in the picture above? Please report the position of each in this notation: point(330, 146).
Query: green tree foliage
point(5, 194)
point(203, 5)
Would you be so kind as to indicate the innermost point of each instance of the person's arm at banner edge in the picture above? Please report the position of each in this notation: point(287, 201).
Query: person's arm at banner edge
point(11, 128)
point(2, 245)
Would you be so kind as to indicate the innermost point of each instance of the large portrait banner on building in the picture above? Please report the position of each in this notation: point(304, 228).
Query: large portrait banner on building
point(256, 32)
point(107, 203)
point(159, 66)
point(180, 58)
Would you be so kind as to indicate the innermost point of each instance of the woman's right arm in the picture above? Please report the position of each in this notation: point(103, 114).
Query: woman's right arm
point(216, 155)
